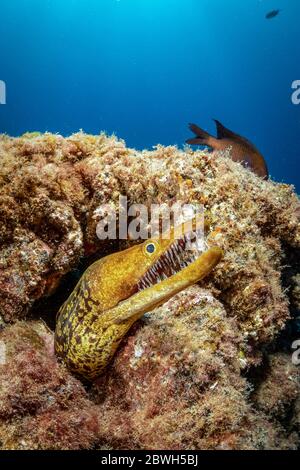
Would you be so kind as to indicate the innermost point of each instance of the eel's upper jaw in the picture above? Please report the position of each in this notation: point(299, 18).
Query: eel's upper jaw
point(180, 254)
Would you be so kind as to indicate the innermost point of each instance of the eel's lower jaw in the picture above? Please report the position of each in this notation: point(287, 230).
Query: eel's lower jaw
point(180, 254)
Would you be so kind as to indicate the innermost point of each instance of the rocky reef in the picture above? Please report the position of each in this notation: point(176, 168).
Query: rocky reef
point(211, 368)
point(41, 405)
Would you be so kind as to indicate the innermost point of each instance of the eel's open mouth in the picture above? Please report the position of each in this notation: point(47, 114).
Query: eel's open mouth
point(180, 254)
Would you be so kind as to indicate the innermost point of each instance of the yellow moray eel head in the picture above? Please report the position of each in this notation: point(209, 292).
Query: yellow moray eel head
point(117, 290)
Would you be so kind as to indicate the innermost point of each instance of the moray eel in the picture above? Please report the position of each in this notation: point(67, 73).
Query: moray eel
point(117, 290)
point(242, 150)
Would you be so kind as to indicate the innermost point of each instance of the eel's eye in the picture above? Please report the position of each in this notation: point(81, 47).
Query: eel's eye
point(150, 248)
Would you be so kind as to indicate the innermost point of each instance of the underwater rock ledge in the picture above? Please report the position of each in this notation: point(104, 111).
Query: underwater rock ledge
point(183, 370)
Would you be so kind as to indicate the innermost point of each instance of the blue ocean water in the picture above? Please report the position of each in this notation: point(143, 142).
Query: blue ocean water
point(145, 68)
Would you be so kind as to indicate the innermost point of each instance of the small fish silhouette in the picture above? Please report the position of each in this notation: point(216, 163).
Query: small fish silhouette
point(272, 14)
point(242, 150)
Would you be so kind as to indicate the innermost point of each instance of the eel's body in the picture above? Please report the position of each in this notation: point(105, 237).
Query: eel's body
point(116, 291)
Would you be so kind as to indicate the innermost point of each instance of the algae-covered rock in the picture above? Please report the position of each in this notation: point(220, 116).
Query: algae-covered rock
point(177, 384)
point(183, 377)
point(279, 390)
point(41, 405)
